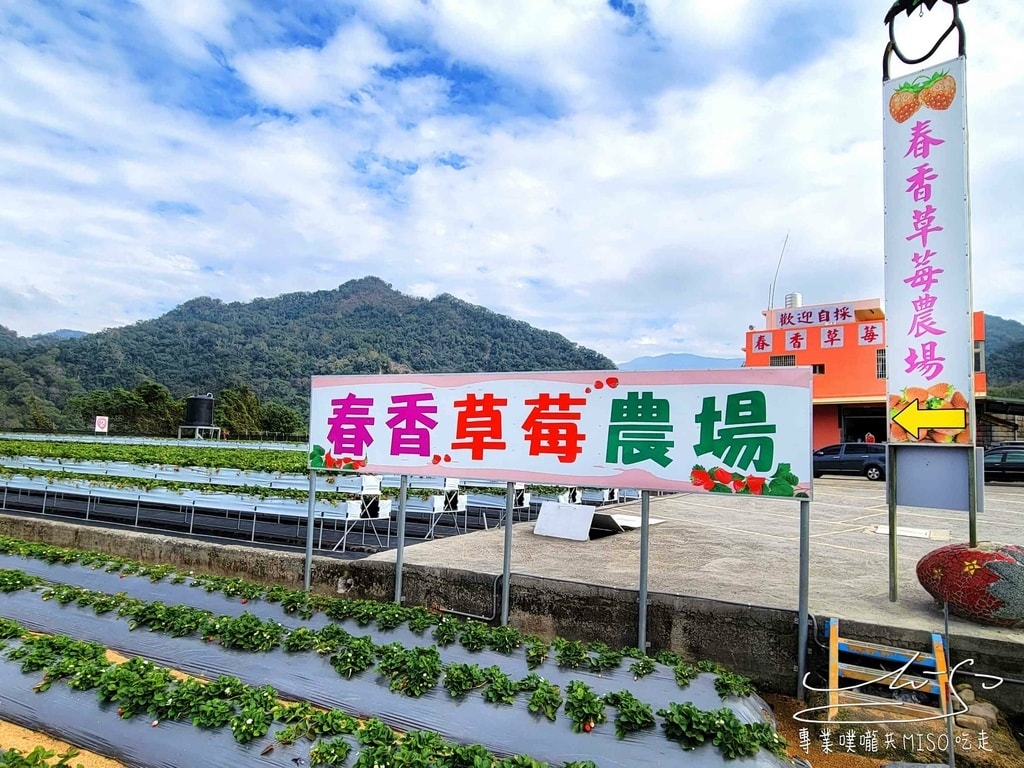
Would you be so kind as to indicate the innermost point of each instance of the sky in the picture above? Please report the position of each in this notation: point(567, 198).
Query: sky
point(622, 172)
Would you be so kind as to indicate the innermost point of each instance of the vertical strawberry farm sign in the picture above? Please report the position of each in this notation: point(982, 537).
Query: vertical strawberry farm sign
point(930, 351)
point(744, 431)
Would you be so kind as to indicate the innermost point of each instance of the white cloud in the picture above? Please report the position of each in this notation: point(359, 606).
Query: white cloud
point(636, 222)
point(299, 79)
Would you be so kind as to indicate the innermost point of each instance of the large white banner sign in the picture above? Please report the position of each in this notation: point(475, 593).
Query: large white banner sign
point(929, 350)
point(745, 431)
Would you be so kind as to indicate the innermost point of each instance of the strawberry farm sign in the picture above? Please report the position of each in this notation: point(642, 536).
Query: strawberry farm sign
point(741, 431)
point(929, 352)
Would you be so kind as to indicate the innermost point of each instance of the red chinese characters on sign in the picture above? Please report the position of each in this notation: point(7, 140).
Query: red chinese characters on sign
point(551, 426)
point(797, 318)
point(796, 340)
point(924, 274)
point(478, 426)
point(869, 334)
point(762, 342)
point(832, 337)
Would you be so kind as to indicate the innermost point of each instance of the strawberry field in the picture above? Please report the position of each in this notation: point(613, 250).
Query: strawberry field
point(247, 674)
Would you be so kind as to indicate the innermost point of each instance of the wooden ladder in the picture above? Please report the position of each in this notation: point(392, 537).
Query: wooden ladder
point(915, 662)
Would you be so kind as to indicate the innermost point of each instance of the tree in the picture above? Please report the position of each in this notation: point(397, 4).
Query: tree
point(238, 411)
point(279, 419)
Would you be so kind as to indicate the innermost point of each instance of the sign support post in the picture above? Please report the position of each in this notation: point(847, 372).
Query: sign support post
point(506, 560)
point(403, 493)
point(310, 521)
point(645, 534)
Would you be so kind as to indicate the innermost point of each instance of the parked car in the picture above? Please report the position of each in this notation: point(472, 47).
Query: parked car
point(1004, 462)
point(866, 459)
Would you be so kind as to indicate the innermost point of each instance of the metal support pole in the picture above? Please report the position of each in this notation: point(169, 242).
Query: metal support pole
point(802, 611)
point(890, 481)
point(403, 492)
point(975, 492)
point(506, 565)
point(310, 516)
point(645, 529)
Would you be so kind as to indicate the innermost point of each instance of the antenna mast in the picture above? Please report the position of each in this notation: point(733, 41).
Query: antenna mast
point(771, 291)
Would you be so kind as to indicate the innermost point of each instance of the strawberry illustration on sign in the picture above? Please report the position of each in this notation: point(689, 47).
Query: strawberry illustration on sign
point(938, 91)
point(935, 92)
point(904, 103)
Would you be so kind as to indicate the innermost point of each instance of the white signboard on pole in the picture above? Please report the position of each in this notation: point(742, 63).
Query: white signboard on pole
point(744, 431)
point(929, 345)
point(102, 423)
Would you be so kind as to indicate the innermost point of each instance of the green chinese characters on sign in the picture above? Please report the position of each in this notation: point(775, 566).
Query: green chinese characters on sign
point(743, 439)
point(638, 430)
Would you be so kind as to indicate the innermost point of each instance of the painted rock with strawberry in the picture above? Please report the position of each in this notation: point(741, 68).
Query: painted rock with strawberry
point(984, 583)
point(904, 103)
point(938, 91)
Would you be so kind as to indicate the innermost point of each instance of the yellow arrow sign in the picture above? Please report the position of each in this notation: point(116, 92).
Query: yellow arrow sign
point(914, 418)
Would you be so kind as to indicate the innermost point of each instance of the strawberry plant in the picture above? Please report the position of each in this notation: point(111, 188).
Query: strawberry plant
point(603, 658)
point(461, 678)
point(685, 674)
point(247, 632)
point(183, 700)
point(632, 715)
point(474, 636)
point(499, 688)
point(584, 707)
point(581, 764)
point(15, 581)
point(299, 640)
point(330, 638)
point(447, 631)
point(375, 733)
point(732, 684)
point(136, 686)
point(520, 761)
point(642, 667)
point(213, 713)
point(37, 758)
point(536, 652)
point(466, 756)
point(505, 639)
point(250, 723)
point(569, 654)
point(421, 620)
point(355, 655)
point(332, 722)
point(412, 671)
point(546, 697)
point(329, 753)
point(391, 616)
point(684, 723)
point(10, 629)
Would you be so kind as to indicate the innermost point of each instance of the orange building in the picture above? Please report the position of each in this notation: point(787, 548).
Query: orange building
point(844, 345)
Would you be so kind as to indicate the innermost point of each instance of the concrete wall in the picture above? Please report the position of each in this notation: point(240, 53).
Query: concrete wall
point(758, 642)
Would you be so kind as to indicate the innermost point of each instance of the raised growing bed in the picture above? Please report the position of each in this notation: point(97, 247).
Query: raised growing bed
point(410, 669)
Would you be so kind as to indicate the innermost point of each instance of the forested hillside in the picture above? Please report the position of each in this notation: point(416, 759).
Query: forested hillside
point(270, 347)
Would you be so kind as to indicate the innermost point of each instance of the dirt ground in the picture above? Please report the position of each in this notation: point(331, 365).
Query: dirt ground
point(784, 709)
point(24, 740)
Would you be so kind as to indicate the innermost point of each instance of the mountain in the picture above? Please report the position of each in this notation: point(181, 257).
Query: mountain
point(59, 334)
point(272, 346)
point(680, 362)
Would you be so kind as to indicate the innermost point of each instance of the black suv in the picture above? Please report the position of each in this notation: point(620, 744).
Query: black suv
point(1005, 462)
point(866, 459)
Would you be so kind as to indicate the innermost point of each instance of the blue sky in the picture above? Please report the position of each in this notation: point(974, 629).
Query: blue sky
point(624, 173)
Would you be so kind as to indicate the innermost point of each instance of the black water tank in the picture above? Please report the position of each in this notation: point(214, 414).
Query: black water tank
point(199, 411)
